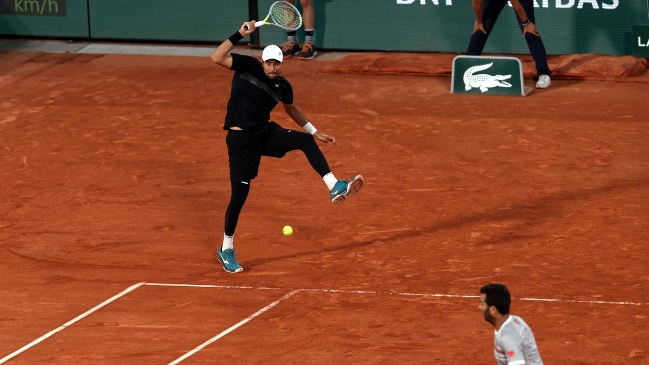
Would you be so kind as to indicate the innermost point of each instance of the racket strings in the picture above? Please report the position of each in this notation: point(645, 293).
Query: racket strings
point(286, 16)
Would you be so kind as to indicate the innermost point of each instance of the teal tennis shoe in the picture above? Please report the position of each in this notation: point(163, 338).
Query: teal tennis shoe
point(229, 261)
point(343, 189)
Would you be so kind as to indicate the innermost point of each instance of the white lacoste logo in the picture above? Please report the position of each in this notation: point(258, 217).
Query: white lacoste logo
point(484, 81)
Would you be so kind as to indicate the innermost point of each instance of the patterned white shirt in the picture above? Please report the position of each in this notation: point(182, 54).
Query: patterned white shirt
point(514, 343)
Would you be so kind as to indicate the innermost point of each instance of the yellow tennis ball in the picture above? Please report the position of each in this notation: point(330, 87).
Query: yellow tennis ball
point(287, 230)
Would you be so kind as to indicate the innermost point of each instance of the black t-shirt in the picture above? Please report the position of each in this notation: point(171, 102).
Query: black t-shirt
point(253, 94)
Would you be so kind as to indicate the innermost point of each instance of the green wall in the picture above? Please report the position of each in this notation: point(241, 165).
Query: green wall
point(567, 26)
point(172, 20)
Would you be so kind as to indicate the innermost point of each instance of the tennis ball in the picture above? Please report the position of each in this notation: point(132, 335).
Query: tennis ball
point(287, 230)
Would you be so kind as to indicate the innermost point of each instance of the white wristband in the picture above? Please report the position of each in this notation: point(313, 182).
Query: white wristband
point(309, 128)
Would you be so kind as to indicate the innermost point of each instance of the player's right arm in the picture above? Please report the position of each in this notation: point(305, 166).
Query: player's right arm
point(221, 55)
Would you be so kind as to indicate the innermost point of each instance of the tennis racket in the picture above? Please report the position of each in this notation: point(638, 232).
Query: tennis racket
point(282, 14)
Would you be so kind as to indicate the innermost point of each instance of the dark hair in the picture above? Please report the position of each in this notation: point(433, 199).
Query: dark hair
point(498, 296)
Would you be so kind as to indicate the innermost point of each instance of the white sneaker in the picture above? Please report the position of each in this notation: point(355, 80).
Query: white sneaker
point(544, 82)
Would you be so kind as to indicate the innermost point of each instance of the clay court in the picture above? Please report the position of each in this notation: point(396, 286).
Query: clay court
point(115, 177)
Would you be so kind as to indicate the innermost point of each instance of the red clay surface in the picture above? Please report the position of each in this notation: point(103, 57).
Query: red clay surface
point(114, 171)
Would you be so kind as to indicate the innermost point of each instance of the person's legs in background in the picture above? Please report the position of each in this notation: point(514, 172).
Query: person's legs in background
point(490, 13)
point(537, 49)
point(307, 49)
point(292, 46)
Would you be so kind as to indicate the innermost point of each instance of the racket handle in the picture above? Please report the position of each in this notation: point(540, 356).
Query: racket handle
point(257, 25)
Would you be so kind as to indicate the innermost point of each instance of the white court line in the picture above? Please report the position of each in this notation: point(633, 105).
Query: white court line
point(133, 287)
point(213, 339)
point(402, 293)
point(215, 286)
point(69, 323)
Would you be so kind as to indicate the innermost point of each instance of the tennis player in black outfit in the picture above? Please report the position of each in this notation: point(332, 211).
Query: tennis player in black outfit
point(257, 87)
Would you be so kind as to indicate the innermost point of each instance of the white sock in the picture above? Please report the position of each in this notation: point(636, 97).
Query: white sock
point(228, 242)
point(309, 36)
point(330, 180)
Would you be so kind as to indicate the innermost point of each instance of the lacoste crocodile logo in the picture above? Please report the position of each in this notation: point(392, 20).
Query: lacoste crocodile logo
point(484, 81)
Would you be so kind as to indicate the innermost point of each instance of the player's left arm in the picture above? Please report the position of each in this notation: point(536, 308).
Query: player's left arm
point(530, 27)
point(300, 119)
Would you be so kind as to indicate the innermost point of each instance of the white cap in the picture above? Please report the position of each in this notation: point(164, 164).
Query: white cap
point(272, 52)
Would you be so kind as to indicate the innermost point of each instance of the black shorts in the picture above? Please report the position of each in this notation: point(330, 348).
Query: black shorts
point(245, 149)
